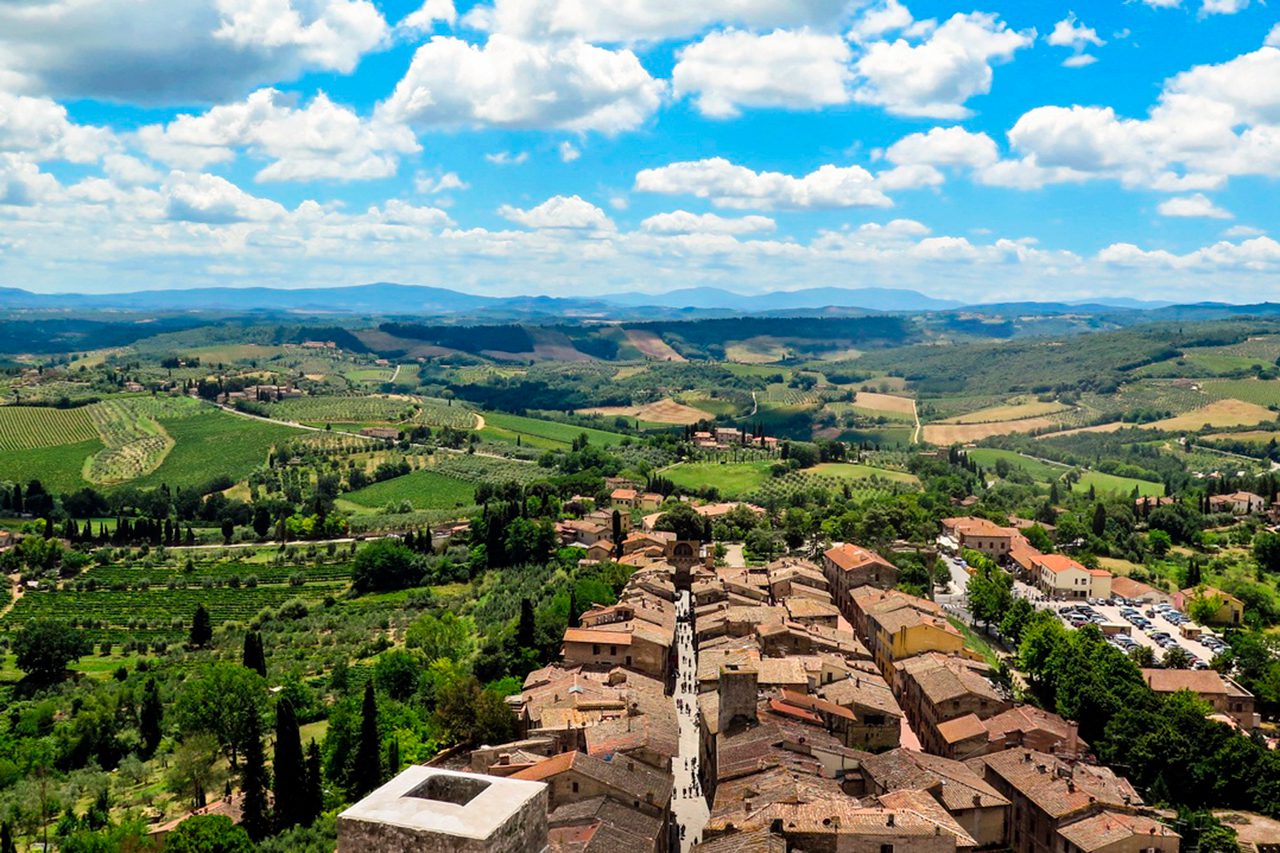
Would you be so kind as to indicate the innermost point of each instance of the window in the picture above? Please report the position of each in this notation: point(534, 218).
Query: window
point(613, 650)
point(886, 848)
point(595, 649)
point(574, 787)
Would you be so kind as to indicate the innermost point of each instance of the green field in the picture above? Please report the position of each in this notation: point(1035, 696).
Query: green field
point(30, 427)
point(1111, 484)
point(211, 444)
point(1039, 470)
point(424, 489)
point(1259, 391)
point(59, 469)
point(738, 479)
point(550, 435)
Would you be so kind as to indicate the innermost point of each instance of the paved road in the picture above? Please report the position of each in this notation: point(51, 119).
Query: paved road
point(688, 802)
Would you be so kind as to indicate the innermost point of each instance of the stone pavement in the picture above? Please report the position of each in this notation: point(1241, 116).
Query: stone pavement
point(688, 803)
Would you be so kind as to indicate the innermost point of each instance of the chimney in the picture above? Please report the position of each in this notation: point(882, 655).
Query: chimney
point(889, 820)
point(1073, 738)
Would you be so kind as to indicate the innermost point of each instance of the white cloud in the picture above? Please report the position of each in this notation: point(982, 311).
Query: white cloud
point(1070, 33)
point(732, 69)
point(568, 153)
point(39, 127)
point(212, 200)
point(909, 177)
point(1162, 4)
point(321, 141)
point(886, 16)
point(684, 222)
point(434, 185)
point(396, 212)
point(507, 158)
point(935, 77)
point(1243, 231)
point(1197, 205)
point(1260, 254)
point(424, 19)
point(1273, 37)
point(944, 146)
point(129, 171)
point(647, 20)
point(22, 184)
point(570, 212)
point(179, 51)
point(515, 84)
point(1223, 7)
point(728, 185)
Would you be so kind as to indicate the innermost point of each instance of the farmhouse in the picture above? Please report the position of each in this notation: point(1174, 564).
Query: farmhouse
point(1238, 503)
point(1226, 697)
point(1059, 576)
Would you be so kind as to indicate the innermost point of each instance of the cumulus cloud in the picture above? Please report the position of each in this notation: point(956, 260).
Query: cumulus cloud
point(179, 51)
point(934, 77)
point(507, 158)
point(684, 222)
point(1197, 205)
point(323, 140)
point(22, 184)
point(884, 17)
point(39, 128)
point(646, 20)
point(212, 200)
point(516, 84)
point(1070, 33)
point(1223, 7)
point(1260, 254)
point(731, 69)
point(1273, 37)
point(436, 184)
point(944, 146)
point(728, 185)
point(424, 19)
point(570, 212)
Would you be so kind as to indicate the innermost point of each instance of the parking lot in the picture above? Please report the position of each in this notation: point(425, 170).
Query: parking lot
point(1105, 614)
point(1111, 614)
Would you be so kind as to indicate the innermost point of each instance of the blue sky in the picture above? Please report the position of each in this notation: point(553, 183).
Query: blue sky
point(993, 151)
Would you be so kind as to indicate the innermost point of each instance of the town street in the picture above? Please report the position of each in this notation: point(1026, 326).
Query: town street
point(688, 802)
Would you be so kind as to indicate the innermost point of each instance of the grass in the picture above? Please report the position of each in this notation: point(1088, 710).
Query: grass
point(1112, 484)
point(1042, 471)
point(975, 642)
point(734, 479)
point(885, 403)
point(500, 426)
point(1261, 392)
point(212, 444)
point(424, 489)
point(31, 427)
point(59, 469)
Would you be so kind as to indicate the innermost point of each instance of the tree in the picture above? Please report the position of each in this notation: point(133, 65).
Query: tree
point(45, 647)
point(208, 834)
point(288, 770)
point(1159, 542)
point(225, 700)
point(396, 673)
point(1143, 656)
point(253, 784)
point(201, 628)
point(150, 717)
point(253, 657)
point(446, 635)
point(682, 520)
point(228, 530)
point(1099, 523)
point(193, 768)
point(6, 839)
point(313, 801)
point(990, 593)
point(368, 766)
point(527, 628)
point(1176, 657)
point(384, 565)
point(617, 534)
point(393, 757)
point(1266, 550)
point(1204, 608)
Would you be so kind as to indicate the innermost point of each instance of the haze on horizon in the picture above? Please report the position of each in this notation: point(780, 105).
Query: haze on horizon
point(568, 148)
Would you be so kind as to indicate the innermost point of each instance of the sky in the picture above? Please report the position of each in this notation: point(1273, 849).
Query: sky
point(982, 151)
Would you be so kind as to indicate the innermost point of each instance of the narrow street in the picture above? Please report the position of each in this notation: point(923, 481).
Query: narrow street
point(688, 805)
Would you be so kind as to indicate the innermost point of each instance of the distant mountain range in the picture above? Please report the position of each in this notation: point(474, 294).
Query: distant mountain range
point(391, 300)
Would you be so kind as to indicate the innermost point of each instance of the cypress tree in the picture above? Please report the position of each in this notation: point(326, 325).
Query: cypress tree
point(290, 780)
point(393, 757)
point(254, 658)
point(574, 621)
point(6, 839)
point(617, 534)
point(527, 625)
point(368, 771)
point(201, 628)
point(150, 716)
point(253, 783)
point(313, 801)
point(1099, 526)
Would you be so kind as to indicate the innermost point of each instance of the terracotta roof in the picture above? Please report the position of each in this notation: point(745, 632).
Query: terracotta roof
point(1057, 788)
point(942, 678)
point(590, 635)
point(1205, 682)
point(1027, 718)
point(955, 785)
point(922, 804)
point(973, 526)
point(848, 557)
point(862, 690)
point(1130, 588)
point(962, 728)
point(1058, 563)
point(1108, 827)
point(755, 841)
point(613, 826)
point(638, 780)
